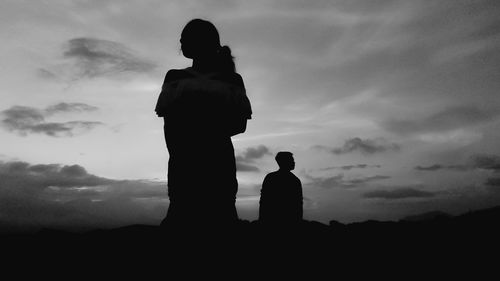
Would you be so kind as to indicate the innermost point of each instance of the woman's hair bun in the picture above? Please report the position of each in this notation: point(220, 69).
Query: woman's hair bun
point(226, 62)
point(225, 50)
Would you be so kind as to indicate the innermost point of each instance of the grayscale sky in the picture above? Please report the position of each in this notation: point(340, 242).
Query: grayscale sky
point(391, 107)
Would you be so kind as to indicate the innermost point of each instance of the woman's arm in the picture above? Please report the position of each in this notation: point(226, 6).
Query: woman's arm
point(238, 126)
point(167, 94)
point(162, 98)
point(242, 110)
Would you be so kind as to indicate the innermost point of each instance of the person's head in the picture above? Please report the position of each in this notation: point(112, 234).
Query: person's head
point(285, 160)
point(200, 40)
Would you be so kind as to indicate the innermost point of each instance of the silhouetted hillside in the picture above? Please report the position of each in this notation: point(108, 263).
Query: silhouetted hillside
point(487, 218)
point(435, 235)
point(423, 241)
point(434, 215)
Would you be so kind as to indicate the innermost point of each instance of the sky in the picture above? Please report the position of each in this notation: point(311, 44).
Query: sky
point(390, 107)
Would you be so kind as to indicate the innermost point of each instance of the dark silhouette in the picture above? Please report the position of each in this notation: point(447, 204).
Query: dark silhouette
point(281, 194)
point(202, 107)
point(465, 240)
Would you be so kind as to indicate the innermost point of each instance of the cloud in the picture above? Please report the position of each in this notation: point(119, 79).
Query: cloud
point(46, 74)
point(478, 161)
point(493, 184)
point(253, 153)
point(360, 181)
point(325, 182)
point(485, 161)
point(42, 176)
point(350, 167)
point(245, 161)
point(70, 107)
point(400, 193)
point(448, 119)
point(68, 196)
point(242, 167)
point(364, 146)
point(437, 167)
point(434, 167)
point(25, 120)
point(92, 57)
point(342, 182)
point(27, 179)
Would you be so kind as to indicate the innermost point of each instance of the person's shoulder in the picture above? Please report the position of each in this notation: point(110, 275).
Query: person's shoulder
point(230, 77)
point(295, 178)
point(177, 74)
point(272, 175)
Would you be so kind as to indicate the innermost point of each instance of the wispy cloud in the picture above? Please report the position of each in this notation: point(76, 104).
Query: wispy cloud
point(350, 167)
point(342, 182)
point(68, 196)
point(364, 146)
point(92, 57)
point(494, 183)
point(35, 178)
point(477, 161)
point(447, 119)
point(70, 107)
point(400, 193)
point(437, 167)
point(245, 161)
point(41, 176)
point(243, 167)
point(25, 120)
point(486, 162)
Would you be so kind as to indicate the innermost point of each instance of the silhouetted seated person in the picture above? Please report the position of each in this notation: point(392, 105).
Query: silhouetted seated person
point(281, 194)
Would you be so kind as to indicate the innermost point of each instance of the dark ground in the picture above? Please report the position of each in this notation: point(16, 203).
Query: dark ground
point(433, 241)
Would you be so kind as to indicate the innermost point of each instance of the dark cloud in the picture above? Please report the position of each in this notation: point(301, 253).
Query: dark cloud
point(341, 181)
point(493, 184)
point(447, 119)
point(478, 161)
point(243, 167)
point(66, 129)
point(437, 167)
point(350, 167)
point(364, 146)
point(93, 57)
point(70, 107)
point(25, 120)
point(325, 182)
point(43, 177)
point(400, 193)
point(253, 153)
point(486, 162)
point(434, 167)
point(360, 181)
point(245, 161)
point(36, 178)
point(68, 196)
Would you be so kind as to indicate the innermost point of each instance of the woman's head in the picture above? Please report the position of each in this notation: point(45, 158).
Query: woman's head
point(200, 40)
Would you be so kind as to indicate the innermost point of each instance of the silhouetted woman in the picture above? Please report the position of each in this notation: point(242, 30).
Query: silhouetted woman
point(202, 106)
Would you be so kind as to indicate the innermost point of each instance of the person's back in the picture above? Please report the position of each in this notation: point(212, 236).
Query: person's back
point(281, 194)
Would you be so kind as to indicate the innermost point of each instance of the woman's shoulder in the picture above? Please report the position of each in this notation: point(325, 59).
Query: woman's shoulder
point(178, 74)
point(231, 78)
